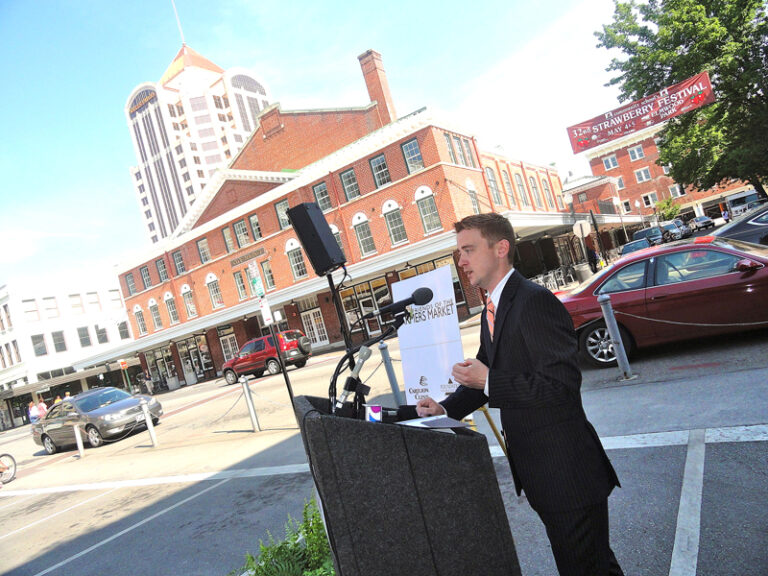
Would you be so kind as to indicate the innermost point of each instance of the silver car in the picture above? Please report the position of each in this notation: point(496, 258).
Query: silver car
point(101, 413)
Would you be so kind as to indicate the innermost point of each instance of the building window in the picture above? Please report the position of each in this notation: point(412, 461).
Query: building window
point(535, 191)
point(59, 343)
point(627, 206)
point(266, 271)
point(547, 193)
point(51, 307)
point(76, 303)
point(154, 310)
point(321, 196)
point(173, 313)
point(122, 329)
point(636, 152)
point(85, 336)
point(281, 208)
point(649, 200)
point(365, 238)
point(101, 334)
point(228, 242)
point(460, 150)
point(380, 171)
point(581, 198)
point(140, 322)
point(130, 284)
point(676, 191)
point(349, 183)
point(178, 263)
point(189, 305)
point(217, 301)
point(337, 236)
point(145, 279)
point(620, 183)
point(451, 153)
point(610, 162)
point(430, 218)
point(162, 271)
point(202, 250)
point(255, 228)
point(508, 189)
point(412, 154)
point(643, 175)
point(493, 185)
point(242, 293)
point(394, 220)
point(241, 233)
point(521, 190)
point(296, 259)
point(468, 153)
point(38, 344)
point(475, 203)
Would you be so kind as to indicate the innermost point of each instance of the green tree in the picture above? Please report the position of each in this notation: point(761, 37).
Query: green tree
point(666, 41)
point(667, 209)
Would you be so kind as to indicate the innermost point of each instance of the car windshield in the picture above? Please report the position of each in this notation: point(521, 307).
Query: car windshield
point(291, 335)
point(100, 399)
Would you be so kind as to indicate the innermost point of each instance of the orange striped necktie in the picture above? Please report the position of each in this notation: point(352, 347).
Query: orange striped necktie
point(490, 315)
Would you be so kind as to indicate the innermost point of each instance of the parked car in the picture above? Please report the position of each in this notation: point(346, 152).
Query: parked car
point(752, 227)
point(634, 246)
point(260, 354)
point(698, 287)
point(654, 234)
point(701, 223)
point(100, 412)
point(671, 231)
point(684, 228)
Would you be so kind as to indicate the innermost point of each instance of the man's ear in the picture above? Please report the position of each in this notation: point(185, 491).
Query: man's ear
point(502, 248)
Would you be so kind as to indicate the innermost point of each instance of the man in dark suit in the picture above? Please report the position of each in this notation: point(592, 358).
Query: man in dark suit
point(527, 367)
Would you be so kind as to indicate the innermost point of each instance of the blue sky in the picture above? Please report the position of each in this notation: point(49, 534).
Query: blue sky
point(513, 74)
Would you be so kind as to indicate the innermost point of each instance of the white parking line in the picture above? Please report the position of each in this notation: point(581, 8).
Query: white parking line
point(122, 532)
point(181, 479)
point(685, 553)
point(56, 514)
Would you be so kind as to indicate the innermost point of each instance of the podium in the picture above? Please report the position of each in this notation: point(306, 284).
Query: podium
point(404, 500)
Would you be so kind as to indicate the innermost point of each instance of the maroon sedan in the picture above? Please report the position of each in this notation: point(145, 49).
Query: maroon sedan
point(683, 290)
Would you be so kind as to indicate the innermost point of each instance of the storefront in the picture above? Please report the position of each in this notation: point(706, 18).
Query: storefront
point(195, 359)
point(162, 368)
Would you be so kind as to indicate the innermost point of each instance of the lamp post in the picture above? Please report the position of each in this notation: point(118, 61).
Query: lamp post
point(642, 218)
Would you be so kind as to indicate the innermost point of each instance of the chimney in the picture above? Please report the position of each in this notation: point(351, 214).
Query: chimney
point(378, 87)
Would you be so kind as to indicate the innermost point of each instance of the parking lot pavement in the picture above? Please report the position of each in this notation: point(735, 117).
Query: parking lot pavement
point(689, 440)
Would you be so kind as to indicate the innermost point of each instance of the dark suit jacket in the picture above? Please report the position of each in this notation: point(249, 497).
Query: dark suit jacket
point(534, 379)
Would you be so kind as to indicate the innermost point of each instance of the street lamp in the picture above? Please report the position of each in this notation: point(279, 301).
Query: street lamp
point(568, 199)
point(637, 207)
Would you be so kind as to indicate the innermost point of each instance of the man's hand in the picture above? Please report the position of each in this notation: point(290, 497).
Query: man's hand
point(428, 407)
point(471, 373)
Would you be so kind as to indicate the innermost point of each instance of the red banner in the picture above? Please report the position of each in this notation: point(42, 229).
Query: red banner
point(656, 108)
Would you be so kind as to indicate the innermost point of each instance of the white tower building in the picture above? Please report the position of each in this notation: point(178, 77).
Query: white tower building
point(184, 127)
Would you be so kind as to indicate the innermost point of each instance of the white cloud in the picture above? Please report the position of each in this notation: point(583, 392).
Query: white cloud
point(526, 102)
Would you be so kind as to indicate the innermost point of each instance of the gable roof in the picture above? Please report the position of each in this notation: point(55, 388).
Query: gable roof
point(187, 58)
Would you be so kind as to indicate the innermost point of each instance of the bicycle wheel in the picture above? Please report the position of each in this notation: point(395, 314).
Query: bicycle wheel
point(7, 468)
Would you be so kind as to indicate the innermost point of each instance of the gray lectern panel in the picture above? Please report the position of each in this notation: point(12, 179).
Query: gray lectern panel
point(399, 500)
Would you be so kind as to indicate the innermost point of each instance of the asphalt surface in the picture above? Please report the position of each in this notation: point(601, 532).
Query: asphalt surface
point(688, 437)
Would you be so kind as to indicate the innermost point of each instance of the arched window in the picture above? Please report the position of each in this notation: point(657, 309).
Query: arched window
point(155, 313)
point(362, 229)
point(508, 189)
point(139, 316)
point(430, 218)
point(214, 291)
point(337, 235)
point(535, 192)
point(170, 306)
point(295, 258)
point(391, 212)
point(189, 302)
point(493, 185)
point(521, 190)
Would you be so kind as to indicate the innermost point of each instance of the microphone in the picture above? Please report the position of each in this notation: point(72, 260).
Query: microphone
point(351, 384)
point(419, 297)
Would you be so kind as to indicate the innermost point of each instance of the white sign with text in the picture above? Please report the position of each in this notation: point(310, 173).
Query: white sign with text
point(430, 342)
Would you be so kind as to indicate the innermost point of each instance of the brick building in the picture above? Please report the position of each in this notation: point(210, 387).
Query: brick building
point(390, 189)
point(640, 182)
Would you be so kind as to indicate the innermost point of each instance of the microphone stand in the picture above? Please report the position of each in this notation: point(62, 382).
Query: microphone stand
point(344, 333)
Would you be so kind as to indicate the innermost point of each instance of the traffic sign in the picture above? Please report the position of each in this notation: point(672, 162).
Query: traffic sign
point(123, 364)
point(582, 228)
point(266, 312)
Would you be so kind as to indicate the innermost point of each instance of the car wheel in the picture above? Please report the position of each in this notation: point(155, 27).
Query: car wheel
point(273, 366)
point(258, 373)
point(301, 364)
point(155, 421)
point(596, 346)
point(50, 447)
point(230, 376)
point(305, 345)
point(94, 437)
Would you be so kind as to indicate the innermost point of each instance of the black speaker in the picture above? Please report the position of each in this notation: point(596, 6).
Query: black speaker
point(316, 237)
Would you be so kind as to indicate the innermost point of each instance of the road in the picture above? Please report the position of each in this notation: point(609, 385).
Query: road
point(688, 437)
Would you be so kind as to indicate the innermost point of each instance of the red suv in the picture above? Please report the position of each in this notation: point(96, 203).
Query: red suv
point(260, 354)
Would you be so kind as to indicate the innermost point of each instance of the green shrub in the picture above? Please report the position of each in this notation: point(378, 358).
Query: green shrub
point(303, 552)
